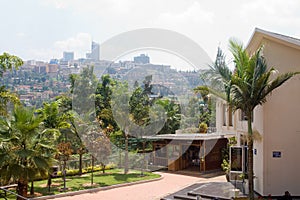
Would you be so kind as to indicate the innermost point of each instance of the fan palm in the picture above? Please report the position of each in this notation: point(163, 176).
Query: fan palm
point(26, 150)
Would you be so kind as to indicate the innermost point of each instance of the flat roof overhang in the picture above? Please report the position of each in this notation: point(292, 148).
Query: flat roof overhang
point(190, 136)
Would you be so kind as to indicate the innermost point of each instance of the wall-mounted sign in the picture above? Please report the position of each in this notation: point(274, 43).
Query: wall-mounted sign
point(276, 154)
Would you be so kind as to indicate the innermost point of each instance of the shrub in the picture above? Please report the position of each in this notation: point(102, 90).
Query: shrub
point(203, 127)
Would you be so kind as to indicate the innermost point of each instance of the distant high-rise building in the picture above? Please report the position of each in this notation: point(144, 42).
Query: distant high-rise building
point(142, 59)
point(54, 61)
point(68, 56)
point(95, 52)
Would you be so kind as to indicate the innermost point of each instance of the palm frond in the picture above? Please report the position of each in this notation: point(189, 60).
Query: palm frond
point(278, 82)
point(211, 91)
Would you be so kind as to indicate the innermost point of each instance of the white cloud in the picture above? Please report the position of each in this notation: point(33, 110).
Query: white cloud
point(194, 14)
point(80, 42)
point(272, 14)
point(20, 34)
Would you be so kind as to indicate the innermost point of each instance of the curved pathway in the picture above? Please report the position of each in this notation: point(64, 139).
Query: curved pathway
point(146, 191)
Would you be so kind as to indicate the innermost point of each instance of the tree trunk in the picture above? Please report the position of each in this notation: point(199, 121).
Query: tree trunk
point(92, 175)
point(22, 188)
point(49, 182)
point(144, 158)
point(126, 155)
point(64, 174)
point(80, 164)
point(32, 189)
point(103, 167)
point(250, 157)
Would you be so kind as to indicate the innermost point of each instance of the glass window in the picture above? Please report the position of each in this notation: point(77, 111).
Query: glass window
point(236, 159)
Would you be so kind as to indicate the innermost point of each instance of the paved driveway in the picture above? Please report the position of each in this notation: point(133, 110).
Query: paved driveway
point(146, 191)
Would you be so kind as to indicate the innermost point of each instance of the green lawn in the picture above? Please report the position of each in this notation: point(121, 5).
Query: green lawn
point(75, 183)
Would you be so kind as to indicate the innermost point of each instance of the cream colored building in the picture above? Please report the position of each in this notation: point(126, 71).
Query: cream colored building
point(277, 155)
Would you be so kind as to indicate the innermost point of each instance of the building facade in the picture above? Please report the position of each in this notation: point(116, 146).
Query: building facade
point(68, 56)
point(94, 55)
point(276, 148)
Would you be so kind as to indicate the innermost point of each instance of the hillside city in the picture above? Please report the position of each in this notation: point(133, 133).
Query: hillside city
point(38, 81)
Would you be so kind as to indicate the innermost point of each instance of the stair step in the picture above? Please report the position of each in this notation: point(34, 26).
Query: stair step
point(185, 197)
point(208, 196)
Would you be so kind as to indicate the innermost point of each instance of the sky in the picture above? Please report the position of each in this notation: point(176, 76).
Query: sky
point(43, 29)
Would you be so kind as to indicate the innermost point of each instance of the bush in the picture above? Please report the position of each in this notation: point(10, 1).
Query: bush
point(73, 172)
point(203, 127)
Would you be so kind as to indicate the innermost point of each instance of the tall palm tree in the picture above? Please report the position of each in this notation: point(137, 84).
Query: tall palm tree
point(26, 150)
point(251, 84)
point(244, 88)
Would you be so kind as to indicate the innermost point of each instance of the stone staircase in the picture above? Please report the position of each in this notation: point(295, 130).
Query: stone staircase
point(211, 190)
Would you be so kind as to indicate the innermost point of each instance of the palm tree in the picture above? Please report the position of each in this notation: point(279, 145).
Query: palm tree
point(218, 77)
point(251, 84)
point(247, 87)
point(26, 150)
point(54, 118)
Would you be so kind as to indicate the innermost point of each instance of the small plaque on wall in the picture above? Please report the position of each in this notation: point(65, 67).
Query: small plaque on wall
point(276, 154)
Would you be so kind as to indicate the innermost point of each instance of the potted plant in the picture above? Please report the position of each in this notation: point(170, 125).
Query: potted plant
point(203, 127)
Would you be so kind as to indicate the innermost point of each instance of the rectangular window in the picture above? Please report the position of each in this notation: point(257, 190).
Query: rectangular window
point(224, 114)
point(230, 113)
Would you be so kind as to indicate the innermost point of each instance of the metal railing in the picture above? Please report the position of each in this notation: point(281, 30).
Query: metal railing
point(6, 190)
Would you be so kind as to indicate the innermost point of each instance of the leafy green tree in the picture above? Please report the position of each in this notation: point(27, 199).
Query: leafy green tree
point(103, 108)
point(120, 108)
point(5, 97)
point(8, 62)
point(247, 87)
point(139, 107)
point(173, 116)
point(83, 87)
point(26, 148)
point(140, 111)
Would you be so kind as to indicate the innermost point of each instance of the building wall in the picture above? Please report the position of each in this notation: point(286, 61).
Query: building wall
point(282, 124)
point(278, 122)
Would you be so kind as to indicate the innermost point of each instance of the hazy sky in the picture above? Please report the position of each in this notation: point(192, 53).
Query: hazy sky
point(43, 29)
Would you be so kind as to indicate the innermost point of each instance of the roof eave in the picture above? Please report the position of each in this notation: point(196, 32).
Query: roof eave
point(259, 34)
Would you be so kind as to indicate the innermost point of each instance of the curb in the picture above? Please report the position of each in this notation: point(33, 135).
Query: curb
point(93, 190)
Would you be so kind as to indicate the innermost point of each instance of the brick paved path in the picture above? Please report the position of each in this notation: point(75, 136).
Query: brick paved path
point(146, 191)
